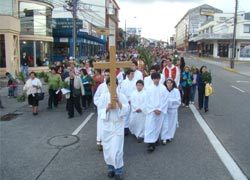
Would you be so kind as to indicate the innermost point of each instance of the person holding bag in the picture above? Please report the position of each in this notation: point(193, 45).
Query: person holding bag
point(204, 78)
point(76, 91)
point(33, 86)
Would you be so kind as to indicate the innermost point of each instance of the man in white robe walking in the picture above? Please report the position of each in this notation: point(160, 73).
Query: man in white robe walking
point(102, 89)
point(113, 132)
point(156, 106)
point(127, 88)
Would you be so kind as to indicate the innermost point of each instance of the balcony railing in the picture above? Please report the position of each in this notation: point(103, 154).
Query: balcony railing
point(212, 36)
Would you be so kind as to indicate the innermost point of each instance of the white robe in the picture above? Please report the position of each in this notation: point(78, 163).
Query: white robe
point(156, 100)
point(127, 87)
point(113, 130)
point(138, 75)
point(137, 120)
point(170, 121)
point(102, 89)
point(149, 82)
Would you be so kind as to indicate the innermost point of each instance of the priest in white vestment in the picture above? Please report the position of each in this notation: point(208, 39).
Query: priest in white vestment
point(113, 131)
point(138, 111)
point(156, 108)
point(170, 122)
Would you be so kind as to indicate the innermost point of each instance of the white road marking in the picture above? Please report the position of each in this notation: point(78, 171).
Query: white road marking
point(227, 160)
point(83, 124)
point(243, 81)
point(238, 89)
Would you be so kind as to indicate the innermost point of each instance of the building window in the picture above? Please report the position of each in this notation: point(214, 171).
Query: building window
point(2, 52)
point(7, 8)
point(246, 28)
point(245, 50)
point(35, 19)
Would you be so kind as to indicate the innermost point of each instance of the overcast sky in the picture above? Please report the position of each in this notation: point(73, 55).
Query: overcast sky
point(157, 18)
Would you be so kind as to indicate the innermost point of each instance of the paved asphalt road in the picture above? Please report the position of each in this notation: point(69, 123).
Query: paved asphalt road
point(27, 155)
point(229, 112)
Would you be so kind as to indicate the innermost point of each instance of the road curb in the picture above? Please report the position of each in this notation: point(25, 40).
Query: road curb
point(231, 70)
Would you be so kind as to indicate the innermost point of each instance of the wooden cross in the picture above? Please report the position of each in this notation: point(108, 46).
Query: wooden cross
point(112, 65)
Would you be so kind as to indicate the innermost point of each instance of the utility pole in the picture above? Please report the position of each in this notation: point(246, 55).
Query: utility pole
point(72, 7)
point(234, 36)
point(74, 27)
point(125, 36)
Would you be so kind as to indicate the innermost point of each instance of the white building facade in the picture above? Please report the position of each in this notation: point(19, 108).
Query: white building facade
point(215, 37)
point(188, 26)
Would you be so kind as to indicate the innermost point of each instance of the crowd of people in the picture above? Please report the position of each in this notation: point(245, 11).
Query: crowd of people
point(147, 99)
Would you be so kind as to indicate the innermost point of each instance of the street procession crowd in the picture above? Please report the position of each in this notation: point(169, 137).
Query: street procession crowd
point(147, 98)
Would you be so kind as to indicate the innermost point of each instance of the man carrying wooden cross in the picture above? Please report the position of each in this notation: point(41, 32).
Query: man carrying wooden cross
point(113, 106)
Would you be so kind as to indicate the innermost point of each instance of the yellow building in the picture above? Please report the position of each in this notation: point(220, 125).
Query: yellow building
point(9, 37)
point(26, 26)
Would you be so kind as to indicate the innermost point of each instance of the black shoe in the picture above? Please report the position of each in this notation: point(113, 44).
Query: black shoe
point(70, 117)
point(111, 174)
point(118, 177)
point(99, 147)
point(49, 108)
point(140, 140)
point(157, 143)
point(126, 131)
point(151, 148)
point(169, 140)
point(206, 109)
point(1, 107)
point(35, 114)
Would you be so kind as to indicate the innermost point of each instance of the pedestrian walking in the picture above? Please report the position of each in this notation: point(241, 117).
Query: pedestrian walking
point(33, 86)
point(204, 77)
point(87, 83)
point(194, 72)
point(12, 85)
point(186, 84)
point(54, 84)
point(76, 91)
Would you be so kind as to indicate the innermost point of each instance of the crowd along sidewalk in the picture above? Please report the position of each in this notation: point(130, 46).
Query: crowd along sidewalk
point(240, 67)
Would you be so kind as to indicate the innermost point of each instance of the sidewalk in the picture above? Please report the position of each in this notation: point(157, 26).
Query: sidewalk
point(10, 104)
point(240, 67)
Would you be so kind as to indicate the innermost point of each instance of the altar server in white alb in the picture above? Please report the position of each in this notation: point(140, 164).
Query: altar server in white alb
point(113, 131)
point(170, 122)
point(102, 89)
point(148, 81)
point(156, 106)
point(137, 74)
point(127, 87)
point(138, 111)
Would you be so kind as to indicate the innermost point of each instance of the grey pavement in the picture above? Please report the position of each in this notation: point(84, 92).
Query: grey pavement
point(241, 67)
point(26, 154)
point(229, 112)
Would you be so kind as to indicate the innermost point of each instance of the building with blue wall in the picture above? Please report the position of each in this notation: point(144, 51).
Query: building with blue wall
point(86, 45)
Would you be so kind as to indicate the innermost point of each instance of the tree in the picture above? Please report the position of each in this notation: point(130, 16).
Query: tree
point(133, 41)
